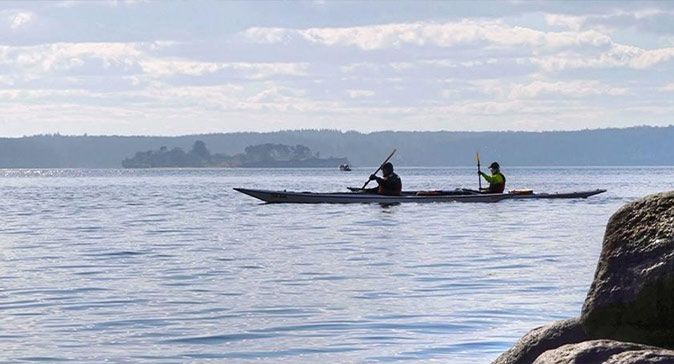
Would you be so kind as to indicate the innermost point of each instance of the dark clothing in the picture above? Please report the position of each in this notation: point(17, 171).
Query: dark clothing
point(390, 185)
point(496, 181)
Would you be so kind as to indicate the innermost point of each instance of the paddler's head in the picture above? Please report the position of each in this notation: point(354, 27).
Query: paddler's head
point(387, 168)
point(494, 167)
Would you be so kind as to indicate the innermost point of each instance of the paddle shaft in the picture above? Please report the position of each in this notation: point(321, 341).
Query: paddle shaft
point(380, 167)
point(479, 178)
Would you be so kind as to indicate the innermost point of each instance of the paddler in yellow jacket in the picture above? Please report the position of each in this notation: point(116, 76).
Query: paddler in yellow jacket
point(496, 181)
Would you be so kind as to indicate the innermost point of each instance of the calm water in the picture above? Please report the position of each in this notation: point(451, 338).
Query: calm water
point(172, 266)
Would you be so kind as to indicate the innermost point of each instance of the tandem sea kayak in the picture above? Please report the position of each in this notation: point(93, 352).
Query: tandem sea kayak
point(358, 196)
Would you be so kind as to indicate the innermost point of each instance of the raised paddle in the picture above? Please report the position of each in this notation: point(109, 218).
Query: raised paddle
point(380, 167)
point(479, 178)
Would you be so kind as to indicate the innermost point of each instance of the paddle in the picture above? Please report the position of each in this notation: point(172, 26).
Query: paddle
point(479, 178)
point(380, 167)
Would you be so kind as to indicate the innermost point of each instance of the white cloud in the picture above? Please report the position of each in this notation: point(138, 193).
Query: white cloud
point(536, 89)
point(552, 51)
point(579, 88)
point(165, 67)
point(6, 80)
point(617, 56)
point(66, 4)
point(63, 56)
point(650, 58)
point(647, 19)
point(45, 94)
point(266, 35)
point(568, 21)
point(19, 18)
point(362, 66)
point(402, 66)
point(667, 88)
point(488, 72)
point(374, 37)
point(354, 94)
point(34, 61)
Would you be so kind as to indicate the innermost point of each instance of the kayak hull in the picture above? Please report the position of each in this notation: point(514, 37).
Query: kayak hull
point(354, 197)
point(507, 196)
point(580, 194)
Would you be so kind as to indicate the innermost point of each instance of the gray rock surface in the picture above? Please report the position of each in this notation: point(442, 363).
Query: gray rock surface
point(606, 352)
point(541, 339)
point(632, 295)
point(628, 315)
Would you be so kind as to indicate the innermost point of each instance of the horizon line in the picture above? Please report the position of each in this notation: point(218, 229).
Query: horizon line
point(340, 131)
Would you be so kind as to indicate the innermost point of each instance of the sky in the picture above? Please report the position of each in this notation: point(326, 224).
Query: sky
point(193, 67)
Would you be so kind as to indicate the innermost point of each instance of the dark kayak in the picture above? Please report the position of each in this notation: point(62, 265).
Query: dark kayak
point(361, 197)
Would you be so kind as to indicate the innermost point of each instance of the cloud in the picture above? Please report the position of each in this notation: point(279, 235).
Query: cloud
point(45, 94)
point(354, 94)
point(652, 20)
point(579, 88)
point(373, 37)
point(617, 56)
point(568, 21)
point(537, 89)
point(360, 66)
point(550, 50)
point(18, 18)
point(66, 4)
point(58, 60)
point(667, 88)
point(267, 35)
point(488, 73)
point(167, 67)
point(647, 59)
point(33, 62)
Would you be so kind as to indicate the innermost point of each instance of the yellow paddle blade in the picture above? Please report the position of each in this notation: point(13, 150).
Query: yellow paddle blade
point(477, 157)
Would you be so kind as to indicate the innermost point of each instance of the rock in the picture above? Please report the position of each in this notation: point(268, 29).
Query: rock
point(629, 309)
point(632, 296)
point(542, 339)
point(606, 352)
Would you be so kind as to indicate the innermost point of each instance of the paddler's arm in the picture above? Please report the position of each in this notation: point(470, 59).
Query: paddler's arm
point(492, 179)
point(384, 182)
point(487, 177)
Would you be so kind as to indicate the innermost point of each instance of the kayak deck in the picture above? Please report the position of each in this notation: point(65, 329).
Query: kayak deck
point(355, 197)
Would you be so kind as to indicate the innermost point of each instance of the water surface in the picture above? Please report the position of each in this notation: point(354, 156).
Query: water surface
point(172, 266)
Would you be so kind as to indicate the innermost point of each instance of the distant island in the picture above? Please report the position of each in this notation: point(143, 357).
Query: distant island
point(634, 146)
point(255, 156)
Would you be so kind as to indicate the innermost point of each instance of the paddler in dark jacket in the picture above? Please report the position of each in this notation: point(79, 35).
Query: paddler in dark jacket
point(496, 181)
point(389, 184)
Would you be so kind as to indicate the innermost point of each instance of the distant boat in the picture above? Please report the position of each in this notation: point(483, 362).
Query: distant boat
point(344, 167)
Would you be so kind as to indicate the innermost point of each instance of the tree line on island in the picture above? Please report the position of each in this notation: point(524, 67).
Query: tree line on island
point(266, 155)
